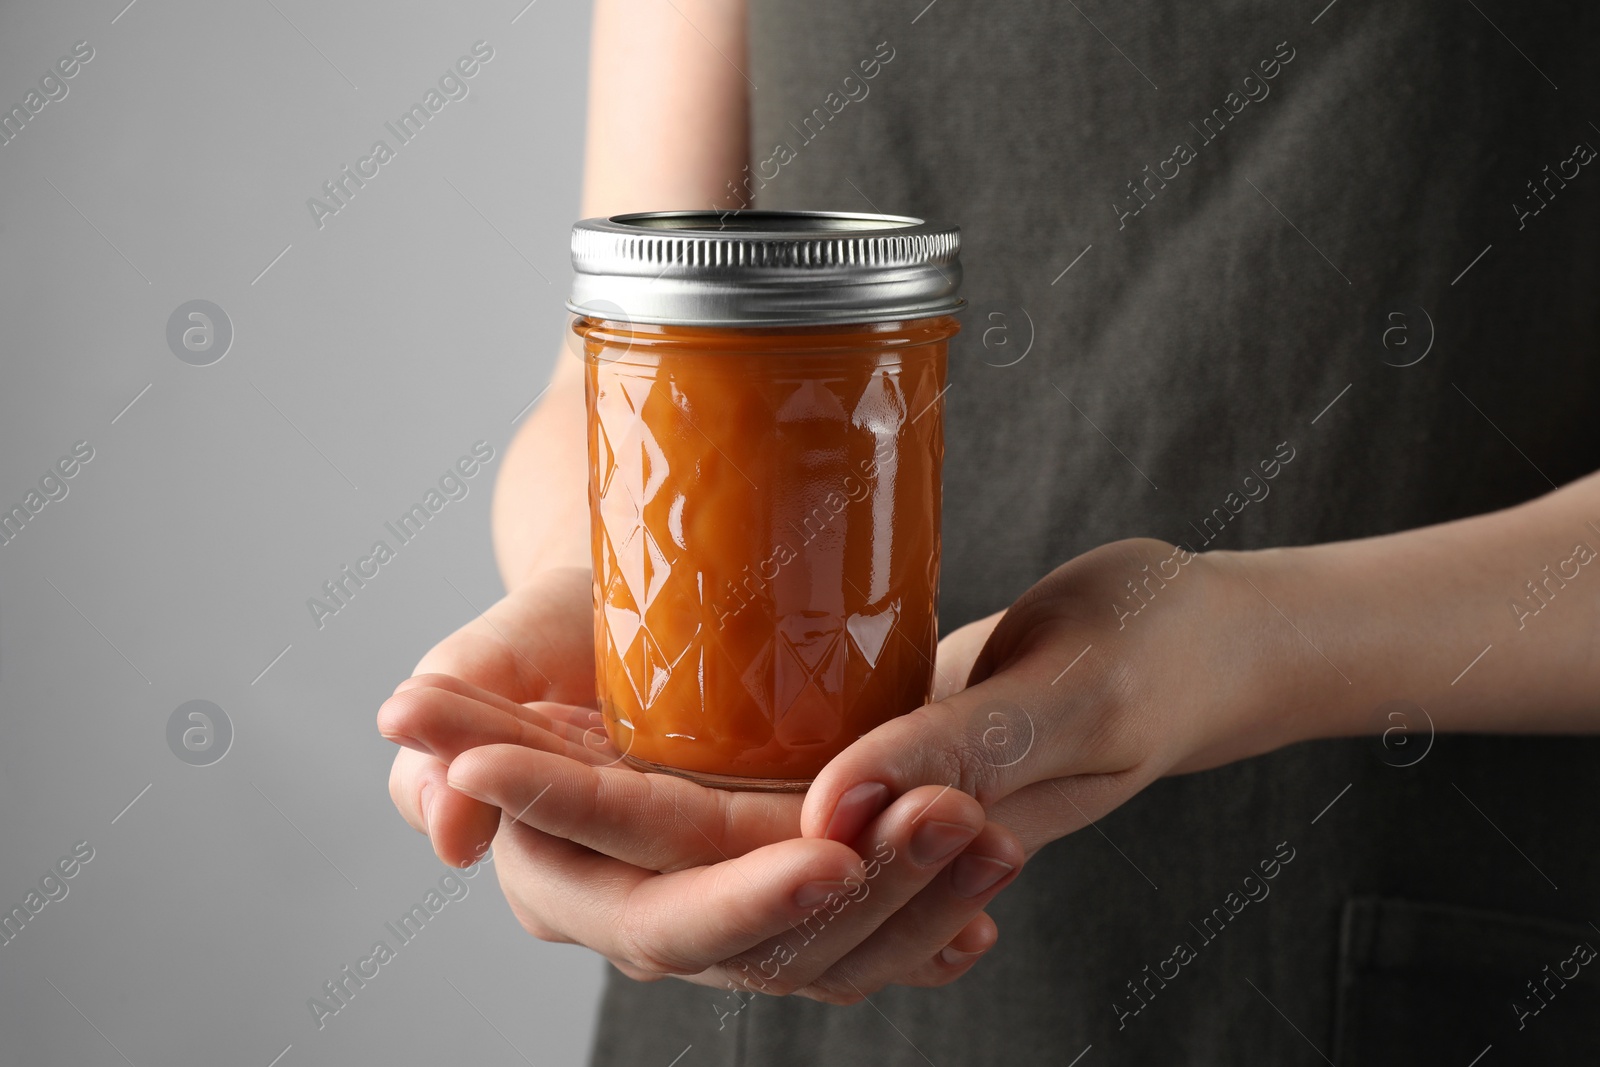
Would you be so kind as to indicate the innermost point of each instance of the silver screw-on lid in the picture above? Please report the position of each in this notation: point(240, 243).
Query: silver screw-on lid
point(763, 268)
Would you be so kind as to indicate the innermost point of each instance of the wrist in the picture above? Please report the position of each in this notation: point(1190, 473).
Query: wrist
point(1280, 608)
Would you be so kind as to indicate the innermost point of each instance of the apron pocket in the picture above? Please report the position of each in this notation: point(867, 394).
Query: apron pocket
point(1436, 983)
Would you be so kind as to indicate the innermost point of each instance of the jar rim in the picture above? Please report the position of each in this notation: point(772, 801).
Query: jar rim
point(756, 267)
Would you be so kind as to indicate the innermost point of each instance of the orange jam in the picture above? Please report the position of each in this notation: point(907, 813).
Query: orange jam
point(765, 528)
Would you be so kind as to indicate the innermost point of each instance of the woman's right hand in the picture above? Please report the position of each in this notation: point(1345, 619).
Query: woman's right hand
point(535, 646)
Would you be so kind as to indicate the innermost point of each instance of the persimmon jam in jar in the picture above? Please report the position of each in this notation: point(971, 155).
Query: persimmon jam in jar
point(765, 419)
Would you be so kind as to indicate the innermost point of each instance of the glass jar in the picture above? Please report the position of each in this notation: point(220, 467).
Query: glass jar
point(765, 418)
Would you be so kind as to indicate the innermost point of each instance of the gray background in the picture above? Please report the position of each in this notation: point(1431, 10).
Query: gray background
point(365, 361)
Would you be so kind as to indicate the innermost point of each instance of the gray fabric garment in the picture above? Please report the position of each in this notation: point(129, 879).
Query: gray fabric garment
point(1192, 339)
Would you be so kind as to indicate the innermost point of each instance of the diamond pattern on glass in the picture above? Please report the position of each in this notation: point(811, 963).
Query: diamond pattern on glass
point(767, 551)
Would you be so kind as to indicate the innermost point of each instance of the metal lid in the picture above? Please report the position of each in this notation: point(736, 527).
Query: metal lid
point(763, 268)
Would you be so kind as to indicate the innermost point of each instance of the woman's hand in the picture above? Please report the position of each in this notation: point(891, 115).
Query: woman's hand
point(666, 877)
point(1138, 660)
point(802, 916)
point(533, 649)
point(1133, 661)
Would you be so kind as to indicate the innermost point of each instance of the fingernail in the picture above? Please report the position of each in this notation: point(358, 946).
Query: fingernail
point(464, 791)
point(812, 894)
point(859, 805)
point(956, 958)
point(936, 841)
point(971, 875)
point(425, 799)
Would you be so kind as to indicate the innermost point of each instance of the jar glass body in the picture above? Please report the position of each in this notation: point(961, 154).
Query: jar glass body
point(765, 508)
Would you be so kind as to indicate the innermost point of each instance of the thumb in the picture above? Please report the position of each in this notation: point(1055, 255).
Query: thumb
point(957, 654)
point(988, 741)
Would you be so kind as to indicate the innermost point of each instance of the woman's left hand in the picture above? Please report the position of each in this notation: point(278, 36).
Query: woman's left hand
point(1132, 661)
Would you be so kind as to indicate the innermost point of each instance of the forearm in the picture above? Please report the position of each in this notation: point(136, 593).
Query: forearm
point(666, 129)
point(541, 508)
point(1490, 623)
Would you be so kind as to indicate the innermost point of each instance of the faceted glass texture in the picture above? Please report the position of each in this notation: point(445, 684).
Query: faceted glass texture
point(765, 529)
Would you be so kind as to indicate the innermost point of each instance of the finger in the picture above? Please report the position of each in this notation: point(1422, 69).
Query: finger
point(1042, 812)
point(655, 821)
point(680, 923)
point(444, 716)
point(987, 741)
point(405, 786)
point(956, 958)
point(909, 941)
point(536, 643)
point(564, 718)
point(458, 826)
point(905, 849)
